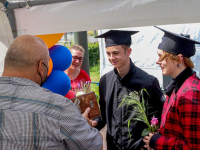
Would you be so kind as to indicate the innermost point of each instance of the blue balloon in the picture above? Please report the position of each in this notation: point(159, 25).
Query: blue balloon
point(61, 57)
point(58, 82)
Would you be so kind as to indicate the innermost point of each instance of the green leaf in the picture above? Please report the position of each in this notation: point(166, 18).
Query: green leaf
point(122, 102)
point(152, 129)
point(143, 100)
point(143, 105)
point(145, 132)
point(146, 92)
point(129, 121)
point(140, 120)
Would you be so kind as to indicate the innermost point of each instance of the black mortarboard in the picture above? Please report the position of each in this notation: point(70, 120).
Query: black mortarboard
point(117, 37)
point(177, 43)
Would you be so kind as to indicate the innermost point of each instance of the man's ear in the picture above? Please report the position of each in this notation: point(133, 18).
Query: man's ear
point(40, 67)
point(129, 50)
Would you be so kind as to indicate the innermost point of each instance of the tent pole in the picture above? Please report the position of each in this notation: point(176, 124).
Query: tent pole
point(80, 38)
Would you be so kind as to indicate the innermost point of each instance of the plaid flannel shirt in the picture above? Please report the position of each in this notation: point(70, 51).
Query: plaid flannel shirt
point(180, 126)
point(34, 118)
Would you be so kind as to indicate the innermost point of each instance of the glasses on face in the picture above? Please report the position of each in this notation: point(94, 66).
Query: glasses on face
point(77, 58)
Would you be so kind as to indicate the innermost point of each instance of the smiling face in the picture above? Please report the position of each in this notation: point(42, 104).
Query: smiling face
point(168, 67)
point(118, 56)
point(77, 59)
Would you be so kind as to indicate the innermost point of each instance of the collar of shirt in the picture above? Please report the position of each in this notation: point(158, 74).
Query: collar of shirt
point(182, 77)
point(17, 81)
point(178, 81)
point(128, 76)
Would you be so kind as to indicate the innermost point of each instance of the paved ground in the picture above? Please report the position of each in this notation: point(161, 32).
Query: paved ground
point(103, 132)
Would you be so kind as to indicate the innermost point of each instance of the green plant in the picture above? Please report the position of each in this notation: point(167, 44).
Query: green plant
point(90, 33)
point(95, 88)
point(95, 77)
point(93, 49)
point(139, 109)
point(95, 68)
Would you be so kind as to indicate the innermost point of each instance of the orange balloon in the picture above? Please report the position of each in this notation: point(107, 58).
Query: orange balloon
point(50, 67)
point(51, 39)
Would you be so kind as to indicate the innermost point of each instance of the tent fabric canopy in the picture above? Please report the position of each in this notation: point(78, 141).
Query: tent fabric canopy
point(83, 15)
point(15, 1)
point(6, 36)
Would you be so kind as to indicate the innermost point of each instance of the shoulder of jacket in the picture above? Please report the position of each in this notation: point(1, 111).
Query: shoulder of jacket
point(193, 80)
point(108, 74)
point(56, 99)
point(192, 84)
point(148, 78)
point(107, 77)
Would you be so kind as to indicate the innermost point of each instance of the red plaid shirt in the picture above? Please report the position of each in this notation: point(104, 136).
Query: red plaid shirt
point(180, 125)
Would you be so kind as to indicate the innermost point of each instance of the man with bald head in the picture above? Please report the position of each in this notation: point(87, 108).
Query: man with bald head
point(32, 117)
point(27, 57)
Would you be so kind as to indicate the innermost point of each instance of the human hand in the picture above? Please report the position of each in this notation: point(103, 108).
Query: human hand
point(146, 140)
point(92, 123)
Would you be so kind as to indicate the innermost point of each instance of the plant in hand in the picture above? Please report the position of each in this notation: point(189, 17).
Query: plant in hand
point(133, 99)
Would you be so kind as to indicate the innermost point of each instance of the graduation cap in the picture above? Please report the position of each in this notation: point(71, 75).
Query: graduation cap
point(177, 43)
point(117, 37)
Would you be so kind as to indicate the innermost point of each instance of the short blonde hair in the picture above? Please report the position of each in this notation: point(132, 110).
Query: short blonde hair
point(166, 56)
point(77, 47)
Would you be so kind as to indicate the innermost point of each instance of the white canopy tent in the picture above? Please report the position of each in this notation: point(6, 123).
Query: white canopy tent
point(6, 36)
point(83, 15)
point(3, 50)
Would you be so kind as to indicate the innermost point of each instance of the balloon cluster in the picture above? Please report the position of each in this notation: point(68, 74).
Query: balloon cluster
point(60, 60)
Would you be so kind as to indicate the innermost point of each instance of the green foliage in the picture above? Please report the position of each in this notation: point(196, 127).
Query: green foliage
point(95, 68)
point(93, 49)
point(95, 77)
point(145, 132)
point(133, 99)
point(92, 33)
point(129, 122)
point(95, 88)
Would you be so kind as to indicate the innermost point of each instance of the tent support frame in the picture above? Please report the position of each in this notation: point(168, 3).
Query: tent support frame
point(30, 3)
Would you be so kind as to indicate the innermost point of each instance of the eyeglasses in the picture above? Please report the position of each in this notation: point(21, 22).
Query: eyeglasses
point(79, 58)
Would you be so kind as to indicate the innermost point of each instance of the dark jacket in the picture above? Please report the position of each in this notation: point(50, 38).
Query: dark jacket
point(111, 89)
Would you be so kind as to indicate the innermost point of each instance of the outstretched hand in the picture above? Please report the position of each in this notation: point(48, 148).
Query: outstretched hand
point(92, 123)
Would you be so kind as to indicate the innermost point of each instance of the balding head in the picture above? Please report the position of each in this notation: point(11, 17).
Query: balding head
point(27, 57)
point(25, 52)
